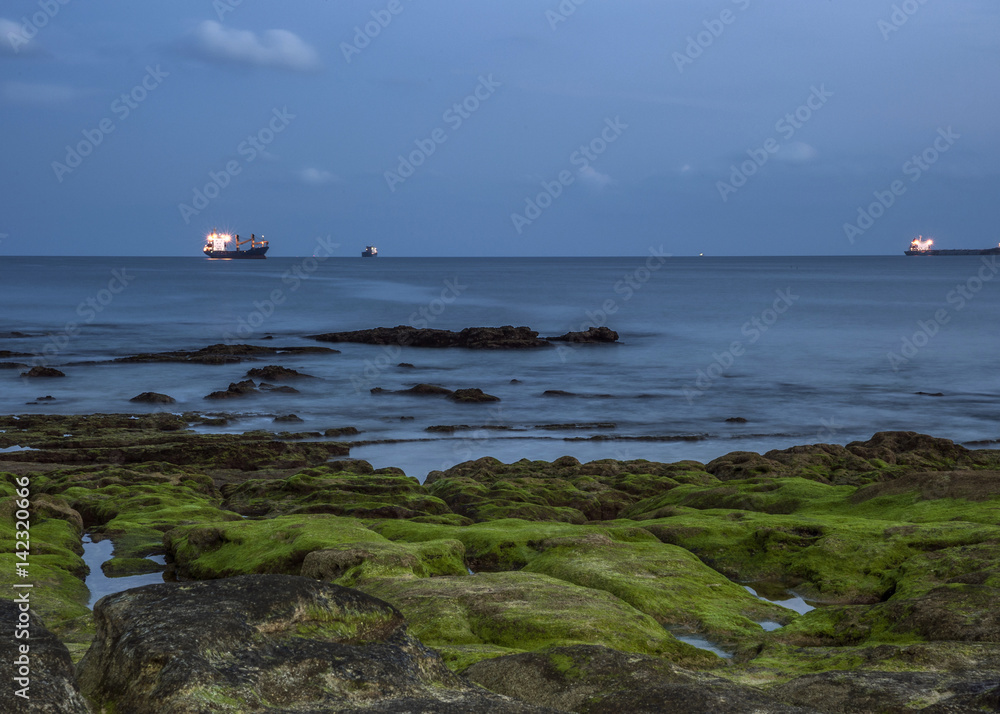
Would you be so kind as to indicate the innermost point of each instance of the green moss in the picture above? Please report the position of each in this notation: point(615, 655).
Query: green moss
point(121, 567)
point(526, 611)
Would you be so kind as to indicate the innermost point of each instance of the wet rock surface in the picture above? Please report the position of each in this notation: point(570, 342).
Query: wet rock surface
point(263, 644)
point(39, 371)
point(592, 335)
point(223, 354)
point(50, 685)
point(153, 398)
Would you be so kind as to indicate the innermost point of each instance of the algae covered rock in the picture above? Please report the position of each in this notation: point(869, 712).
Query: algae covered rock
point(47, 684)
point(343, 488)
point(588, 678)
point(476, 616)
point(263, 644)
point(153, 398)
point(319, 546)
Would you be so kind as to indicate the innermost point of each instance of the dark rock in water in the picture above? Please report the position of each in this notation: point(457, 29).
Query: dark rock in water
point(51, 680)
point(589, 678)
point(342, 431)
point(472, 396)
point(222, 354)
point(48, 398)
point(7, 354)
point(930, 394)
point(515, 381)
point(593, 335)
point(736, 420)
point(39, 371)
point(153, 398)
point(281, 389)
point(288, 418)
point(275, 373)
point(557, 393)
point(859, 692)
point(423, 389)
point(477, 338)
point(406, 365)
point(236, 389)
point(266, 643)
point(12, 365)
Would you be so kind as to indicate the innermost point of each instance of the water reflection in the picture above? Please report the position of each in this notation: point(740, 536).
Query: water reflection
point(99, 584)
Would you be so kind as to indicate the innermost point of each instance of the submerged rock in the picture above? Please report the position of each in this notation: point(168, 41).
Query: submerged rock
point(265, 643)
point(153, 398)
point(236, 389)
point(39, 371)
point(477, 338)
point(591, 335)
point(276, 373)
point(223, 354)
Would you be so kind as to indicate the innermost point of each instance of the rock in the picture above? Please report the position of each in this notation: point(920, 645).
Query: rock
point(592, 335)
point(153, 398)
point(736, 420)
point(236, 389)
point(506, 337)
point(275, 373)
point(223, 354)
point(342, 431)
point(405, 365)
point(847, 692)
point(473, 617)
point(264, 643)
point(588, 678)
point(472, 396)
point(51, 681)
point(288, 418)
point(48, 398)
point(557, 393)
point(39, 371)
point(427, 389)
point(281, 389)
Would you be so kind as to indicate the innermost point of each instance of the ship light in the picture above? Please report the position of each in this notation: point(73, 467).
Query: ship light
point(920, 243)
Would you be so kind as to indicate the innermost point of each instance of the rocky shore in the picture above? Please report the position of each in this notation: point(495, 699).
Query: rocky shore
point(300, 580)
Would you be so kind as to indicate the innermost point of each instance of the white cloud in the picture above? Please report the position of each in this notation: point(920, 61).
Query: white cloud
point(594, 178)
point(39, 93)
point(315, 177)
point(279, 49)
point(796, 153)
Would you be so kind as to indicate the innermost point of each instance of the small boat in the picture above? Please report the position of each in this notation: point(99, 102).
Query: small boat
point(370, 251)
point(217, 247)
point(922, 246)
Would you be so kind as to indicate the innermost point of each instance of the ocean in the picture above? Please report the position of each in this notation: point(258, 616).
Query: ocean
point(715, 354)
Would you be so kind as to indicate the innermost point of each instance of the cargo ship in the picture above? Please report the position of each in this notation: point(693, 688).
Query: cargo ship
point(922, 246)
point(217, 247)
point(370, 251)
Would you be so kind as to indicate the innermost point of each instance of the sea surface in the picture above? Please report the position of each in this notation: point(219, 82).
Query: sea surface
point(804, 350)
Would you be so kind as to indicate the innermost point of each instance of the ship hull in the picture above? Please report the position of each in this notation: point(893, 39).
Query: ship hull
point(253, 253)
point(984, 251)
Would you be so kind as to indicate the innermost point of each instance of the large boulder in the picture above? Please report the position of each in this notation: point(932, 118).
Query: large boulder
point(266, 644)
point(51, 684)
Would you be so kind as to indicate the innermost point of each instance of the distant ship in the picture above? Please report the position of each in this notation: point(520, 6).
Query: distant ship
point(370, 251)
point(922, 246)
point(216, 247)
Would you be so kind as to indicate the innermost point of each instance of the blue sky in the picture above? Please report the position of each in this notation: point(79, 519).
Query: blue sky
point(538, 127)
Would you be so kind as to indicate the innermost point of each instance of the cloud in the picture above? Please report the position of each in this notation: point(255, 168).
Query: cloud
point(39, 93)
point(796, 153)
point(315, 177)
point(278, 49)
point(594, 178)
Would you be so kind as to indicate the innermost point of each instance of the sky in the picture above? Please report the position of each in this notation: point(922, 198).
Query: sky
point(499, 127)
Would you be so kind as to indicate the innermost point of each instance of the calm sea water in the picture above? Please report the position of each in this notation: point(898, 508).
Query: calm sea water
point(798, 347)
